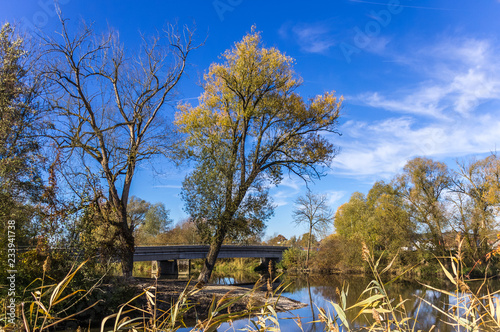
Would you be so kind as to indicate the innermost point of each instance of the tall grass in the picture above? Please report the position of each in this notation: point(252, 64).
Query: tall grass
point(470, 311)
point(375, 310)
point(50, 303)
point(387, 313)
point(154, 319)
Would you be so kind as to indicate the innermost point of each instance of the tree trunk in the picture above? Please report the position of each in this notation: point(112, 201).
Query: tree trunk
point(208, 266)
point(213, 252)
point(127, 250)
point(128, 260)
point(308, 248)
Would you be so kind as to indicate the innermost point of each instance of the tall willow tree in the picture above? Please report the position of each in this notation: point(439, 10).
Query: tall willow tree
point(249, 128)
point(422, 186)
point(475, 200)
point(379, 219)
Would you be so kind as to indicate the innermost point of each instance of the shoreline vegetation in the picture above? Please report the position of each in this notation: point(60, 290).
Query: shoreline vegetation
point(167, 305)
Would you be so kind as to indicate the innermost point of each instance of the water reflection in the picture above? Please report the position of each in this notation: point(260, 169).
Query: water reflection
point(318, 291)
point(237, 277)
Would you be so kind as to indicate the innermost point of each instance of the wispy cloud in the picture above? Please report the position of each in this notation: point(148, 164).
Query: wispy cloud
point(453, 109)
point(382, 148)
point(282, 197)
point(377, 45)
point(288, 188)
point(405, 6)
point(460, 77)
point(424, 101)
point(334, 197)
point(311, 37)
point(171, 186)
point(293, 183)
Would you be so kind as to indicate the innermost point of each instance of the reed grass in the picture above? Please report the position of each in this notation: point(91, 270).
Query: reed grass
point(380, 310)
point(470, 311)
point(49, 303)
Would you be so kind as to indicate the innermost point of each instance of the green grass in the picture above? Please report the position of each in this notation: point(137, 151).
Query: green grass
point(229, 265)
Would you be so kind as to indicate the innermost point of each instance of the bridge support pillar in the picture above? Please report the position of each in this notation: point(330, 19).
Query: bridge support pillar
point(265, 261)
point(171, 268)
point(164, 268)
point(184, 268)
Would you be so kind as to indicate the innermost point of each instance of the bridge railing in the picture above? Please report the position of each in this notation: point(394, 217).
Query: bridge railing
point(206, 244)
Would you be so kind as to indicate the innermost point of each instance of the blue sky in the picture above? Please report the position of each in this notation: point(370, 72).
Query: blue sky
point(419, 78)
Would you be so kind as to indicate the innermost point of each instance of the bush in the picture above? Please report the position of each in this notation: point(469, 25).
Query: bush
point(293, 258)
point(338, 254)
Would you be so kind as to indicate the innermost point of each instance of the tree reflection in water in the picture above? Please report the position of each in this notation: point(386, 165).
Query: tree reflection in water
point(318, 290)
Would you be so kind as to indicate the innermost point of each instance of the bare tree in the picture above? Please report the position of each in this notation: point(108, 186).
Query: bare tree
point(313, 210)
point(107, 105)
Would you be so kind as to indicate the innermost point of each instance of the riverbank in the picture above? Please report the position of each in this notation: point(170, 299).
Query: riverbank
point(168, 292)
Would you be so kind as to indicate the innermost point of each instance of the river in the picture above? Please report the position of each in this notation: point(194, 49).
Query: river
point(319, 290)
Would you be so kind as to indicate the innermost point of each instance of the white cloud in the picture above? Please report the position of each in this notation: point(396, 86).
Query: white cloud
point(334, 197)
point(312, 38)
point(170, 186)
point(472, 88)
point(294, 183)
point(422, 102)
point(451, 109)
point(459, 77)
point(384, 146)
point(377, 45)
point(282, 197)
point(288, 188)
point(468, 51)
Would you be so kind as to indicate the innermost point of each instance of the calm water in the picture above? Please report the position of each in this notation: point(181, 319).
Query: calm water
point(319, 291)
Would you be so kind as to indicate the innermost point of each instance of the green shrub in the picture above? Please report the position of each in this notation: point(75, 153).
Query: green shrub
point(293, 258)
